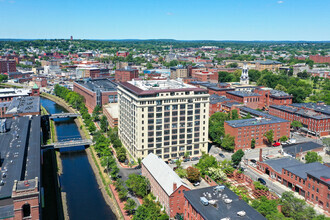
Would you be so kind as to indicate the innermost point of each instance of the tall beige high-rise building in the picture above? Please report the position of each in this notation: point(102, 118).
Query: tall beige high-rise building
point(164, 117)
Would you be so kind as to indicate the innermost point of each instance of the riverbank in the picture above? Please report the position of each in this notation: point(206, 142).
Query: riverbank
point(92, 158)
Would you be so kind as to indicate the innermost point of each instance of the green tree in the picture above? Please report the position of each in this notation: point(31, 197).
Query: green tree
point(181, 172)
point(234, 114)
point(237, 156)
point(253, 143)
point(296, 124)
point(205, 162)
point(96, 112)
point(270, 136)
point(121, 154)
point(149, 65)
point(130, 206)
point(228, 142)
point(280, 87)
point(138, 184)
point(312, 156)
point(284, 138)
point(178, 163)
point(104, 123)
point(193, 174)
point(91, 127)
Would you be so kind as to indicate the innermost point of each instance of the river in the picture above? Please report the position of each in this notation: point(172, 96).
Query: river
point(84, 198)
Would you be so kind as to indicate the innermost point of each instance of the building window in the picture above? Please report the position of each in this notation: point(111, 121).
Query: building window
point(26, 210)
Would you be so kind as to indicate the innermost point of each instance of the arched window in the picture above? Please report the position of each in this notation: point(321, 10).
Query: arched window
point(26, 210)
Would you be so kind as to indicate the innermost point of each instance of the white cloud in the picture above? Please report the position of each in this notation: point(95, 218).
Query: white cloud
point(280, 2)
point(169, 13)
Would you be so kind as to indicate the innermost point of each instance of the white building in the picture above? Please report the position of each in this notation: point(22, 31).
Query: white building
point(164, 117)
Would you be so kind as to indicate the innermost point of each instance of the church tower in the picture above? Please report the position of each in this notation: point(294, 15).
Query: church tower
point(245, 75)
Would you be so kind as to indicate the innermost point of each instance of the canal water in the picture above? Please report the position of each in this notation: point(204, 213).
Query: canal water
point(84, 198)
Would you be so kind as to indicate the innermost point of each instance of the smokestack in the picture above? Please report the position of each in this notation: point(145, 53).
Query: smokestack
point(260, 155)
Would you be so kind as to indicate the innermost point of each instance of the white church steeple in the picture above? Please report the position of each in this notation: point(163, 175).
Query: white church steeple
point(245, 75)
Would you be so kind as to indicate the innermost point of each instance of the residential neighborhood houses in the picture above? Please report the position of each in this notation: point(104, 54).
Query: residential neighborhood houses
point(208, 132)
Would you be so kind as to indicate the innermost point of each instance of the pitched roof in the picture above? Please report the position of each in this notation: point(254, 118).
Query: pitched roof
point(279, 163)
point(301, 147)
point(162, 173)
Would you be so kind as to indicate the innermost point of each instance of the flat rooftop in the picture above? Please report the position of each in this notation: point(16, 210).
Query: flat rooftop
point(150, 87)
point(243, 94)
point(20, 152)
point(302, 169)
point(293, 149)
point(220, 209)
point(216, 99)
point(279, 94)
point(278, 163)
point(294, 109)
point(325, 109)
point(24, 104)
point(9, 92)
point(98, 84)
point(113, 109)
point(254, 122)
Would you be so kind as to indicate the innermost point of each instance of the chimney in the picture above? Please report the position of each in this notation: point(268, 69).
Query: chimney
point(279, 208)
point(174, 186)
point(260, 155)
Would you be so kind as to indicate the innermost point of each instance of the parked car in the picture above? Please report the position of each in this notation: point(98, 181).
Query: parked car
point(253, 161)
point(276, 144)
point(262, 181)
point(196, 184)
point(222, 155)
point(194, 158)
point(186, 160)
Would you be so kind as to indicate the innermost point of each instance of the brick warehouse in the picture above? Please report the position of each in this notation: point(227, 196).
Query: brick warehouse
point(7, 66)
point(244, 130)
point(273, 97)
point(165, 184)
point(312, 181)
point(96, 92)
point(249, 99)
point(315, 118)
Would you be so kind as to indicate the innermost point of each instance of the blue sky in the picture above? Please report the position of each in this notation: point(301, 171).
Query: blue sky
point(166, 19)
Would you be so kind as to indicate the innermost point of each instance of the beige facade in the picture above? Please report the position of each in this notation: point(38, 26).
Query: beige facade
point(167, 118)
point(179, 73)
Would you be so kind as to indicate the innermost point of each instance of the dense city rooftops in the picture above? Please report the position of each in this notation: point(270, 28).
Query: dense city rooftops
point(149, 87)
point(98, 84)
point(243, 94)
point(28, 104)
point(267, 62)
point(222, 204)
point(293, 149)
point(162, 173)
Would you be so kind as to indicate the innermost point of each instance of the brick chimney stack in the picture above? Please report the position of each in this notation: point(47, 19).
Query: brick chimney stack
point(260, 155)
point(174, 186)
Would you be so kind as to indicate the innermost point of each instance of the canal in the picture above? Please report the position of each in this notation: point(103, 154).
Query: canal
point(84, 198)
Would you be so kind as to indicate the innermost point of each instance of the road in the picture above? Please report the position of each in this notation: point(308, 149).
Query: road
point(124, 173)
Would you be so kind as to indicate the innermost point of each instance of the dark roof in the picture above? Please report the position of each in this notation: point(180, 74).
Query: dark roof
point(243, 94)
point(302, 169)
point(216, 99)
point(279, 94)
point(302, 112)
point(325, 109)
point(267, 62)
point(321, 174)
point(220, 209)
point(254, 121)
point(24, 104)
point(221, 89)
point(293, 149)
point(15, 149)
point(279, 163)
point(98, 84)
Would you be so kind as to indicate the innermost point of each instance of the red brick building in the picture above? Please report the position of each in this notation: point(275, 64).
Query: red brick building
point(315, 119)
point(96, 92)
point(8, 94)
point(7, 66)
point(312, 180)
point(165, 184)
point(244, 130)
point(122, 54)
point(217, 103)
point(273, 97)
point(205, 76)
point(126, 74)
point(249, 99)
point(320, 59)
